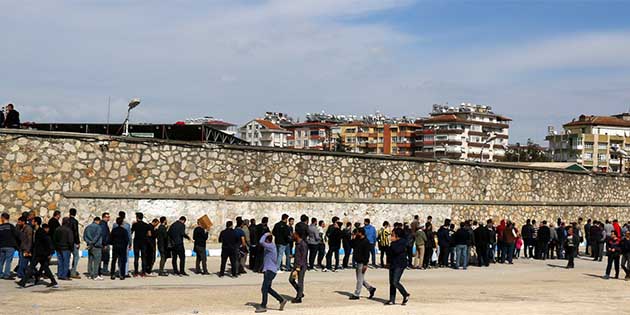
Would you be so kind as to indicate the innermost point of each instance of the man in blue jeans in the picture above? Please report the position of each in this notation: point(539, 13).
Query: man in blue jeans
point(370, 234)
point(64, 244)
point(25, 231)
point(8, 244)
point(461, 239)
point(282, 236)
point(270, 268)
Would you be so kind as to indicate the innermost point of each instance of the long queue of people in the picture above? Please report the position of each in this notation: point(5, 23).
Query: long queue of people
point(296, 248)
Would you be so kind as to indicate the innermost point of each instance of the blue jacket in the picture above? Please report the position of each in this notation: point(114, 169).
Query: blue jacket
point(370, 233)
point(92, 235)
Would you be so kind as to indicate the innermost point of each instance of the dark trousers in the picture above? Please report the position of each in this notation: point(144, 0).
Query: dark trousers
point(332, 251)
point(260, 257)
point(119, 258)
point(179, 252)
point(229, 253)
point(383, 250)
point(570, 258)
point(140, 252)
point(613, 259)
point(298, 284)
point(529, 247)
point(321, 252)
point(201, 260)
point(267, 289)
point(595, 250)
point(312, 254)
point(150, 257)
point(104, 260)
point(252, 257)
point(443, 256)
point(482, 255)
point(428, 256)
point(44, 268)
point(542, 250)
point(552, 248)
point(163, 258)
point(394, 283)
point(347, 253)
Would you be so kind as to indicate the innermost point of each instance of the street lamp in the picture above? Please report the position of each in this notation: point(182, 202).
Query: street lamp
point(490, 139)
point(132, 104)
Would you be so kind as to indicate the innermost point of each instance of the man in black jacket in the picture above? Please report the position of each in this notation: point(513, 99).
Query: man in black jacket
point(42, 251)
point(8, 244)
point(200, 236)
point(119, 239)
point(177, 234)
point(333, 234)
point(282, 238)
point(142, 232)
point(54, 224)
point(362, 249)
point(12, 118)
point(261, 229)
point(74, 225)
point(482, 241)
point(229, 247)
point(544, 236)
point(527, 233)
point(162, 245)
point(63, 240)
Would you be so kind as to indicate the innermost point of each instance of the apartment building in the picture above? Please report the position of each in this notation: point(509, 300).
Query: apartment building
point(468, 132)
point(262, 132)
point(592, 142)
point(310, 135)
point(385, 138)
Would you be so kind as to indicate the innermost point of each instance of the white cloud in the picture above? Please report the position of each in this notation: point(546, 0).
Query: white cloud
point(238, 59)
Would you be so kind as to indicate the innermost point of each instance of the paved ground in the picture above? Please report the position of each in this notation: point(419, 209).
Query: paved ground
point(527, 287)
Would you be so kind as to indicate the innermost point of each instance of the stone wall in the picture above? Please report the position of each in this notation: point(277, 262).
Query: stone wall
point(48, 171)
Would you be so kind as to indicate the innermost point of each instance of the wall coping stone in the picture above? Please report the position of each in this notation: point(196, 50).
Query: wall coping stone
point(96, 137)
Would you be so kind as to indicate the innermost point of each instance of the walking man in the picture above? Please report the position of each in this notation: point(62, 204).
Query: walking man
point(398, 264)
point(362, 258)
point(42, 251)
point(270, 268)
point(299, 267)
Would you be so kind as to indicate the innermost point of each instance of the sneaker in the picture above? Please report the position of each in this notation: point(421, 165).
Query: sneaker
point(389, 303)
point(372, 291)
point(53, 285)
point(282, 304)
point(354, 297)
point(99, 278)
point(324, 270)
point(261, 310)
point(296, 301)
point(405, 300)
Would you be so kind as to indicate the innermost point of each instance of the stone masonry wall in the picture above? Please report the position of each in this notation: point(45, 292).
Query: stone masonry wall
point(46, 172)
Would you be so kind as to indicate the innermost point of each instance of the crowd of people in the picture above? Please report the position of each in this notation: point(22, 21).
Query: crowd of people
point(287, 246)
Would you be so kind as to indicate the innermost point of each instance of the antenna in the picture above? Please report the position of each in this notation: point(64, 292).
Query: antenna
point(109, 109)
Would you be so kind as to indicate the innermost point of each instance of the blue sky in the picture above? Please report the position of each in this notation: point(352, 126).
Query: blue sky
point(538, 62)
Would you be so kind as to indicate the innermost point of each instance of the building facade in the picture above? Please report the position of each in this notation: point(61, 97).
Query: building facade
point(594, 142)
point(468, 132)
point(265, 133)
point(390, 139)
point(310, 135)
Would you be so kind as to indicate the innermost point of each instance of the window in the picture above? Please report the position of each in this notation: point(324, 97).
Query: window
point(601, 157)
point(588, 145)
point(440, 138)
point(588, 156)
point(351, 139)
point(602, 146)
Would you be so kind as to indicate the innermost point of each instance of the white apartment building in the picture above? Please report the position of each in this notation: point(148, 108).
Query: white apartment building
point(468, 132)
point(261, 132)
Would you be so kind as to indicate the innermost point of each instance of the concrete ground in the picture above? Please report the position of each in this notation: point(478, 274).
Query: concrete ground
point(527, 287)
